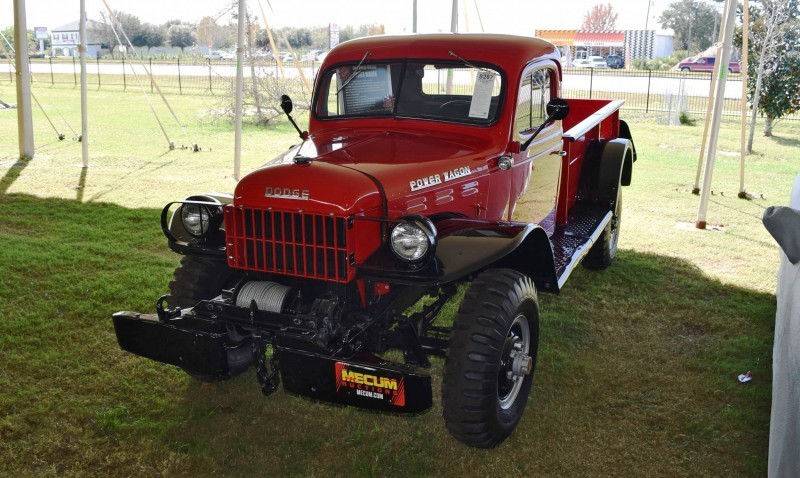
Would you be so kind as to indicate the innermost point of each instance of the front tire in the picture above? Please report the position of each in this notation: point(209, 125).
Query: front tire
point(490, 364)
point(199, 279)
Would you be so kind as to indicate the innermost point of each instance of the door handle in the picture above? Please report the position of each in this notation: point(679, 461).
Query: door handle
point(561, 153)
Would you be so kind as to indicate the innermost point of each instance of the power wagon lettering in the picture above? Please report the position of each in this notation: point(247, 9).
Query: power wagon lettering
point(436, 179)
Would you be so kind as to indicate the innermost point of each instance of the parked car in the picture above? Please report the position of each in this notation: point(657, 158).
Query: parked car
point(615, 61)
point(597, 62)
point(581, 63)
point(220, 55)
point(312, 55)
point(264, 55)
point(590, 62)
point(706, 64)
point(285, 57)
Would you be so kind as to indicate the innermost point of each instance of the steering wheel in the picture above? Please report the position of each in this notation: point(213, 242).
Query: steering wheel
point(453, 106)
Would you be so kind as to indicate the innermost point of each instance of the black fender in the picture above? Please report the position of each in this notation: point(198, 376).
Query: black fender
point(625, 133)
point(607, 166)
point(467, 246)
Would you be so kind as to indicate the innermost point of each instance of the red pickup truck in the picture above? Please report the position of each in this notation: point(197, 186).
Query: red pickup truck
point(431, 163)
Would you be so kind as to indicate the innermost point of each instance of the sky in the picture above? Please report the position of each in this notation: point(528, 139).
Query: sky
point(520, 17)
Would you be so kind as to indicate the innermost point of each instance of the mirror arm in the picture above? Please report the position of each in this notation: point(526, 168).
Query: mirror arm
point(303, 134)
point(536, 133)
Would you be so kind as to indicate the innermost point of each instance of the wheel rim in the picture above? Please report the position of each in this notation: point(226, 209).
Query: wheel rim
point(517, 341)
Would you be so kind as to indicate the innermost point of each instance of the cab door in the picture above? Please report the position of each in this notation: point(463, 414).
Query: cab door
point(535, 175)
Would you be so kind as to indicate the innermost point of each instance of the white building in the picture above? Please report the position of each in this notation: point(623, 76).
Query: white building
point(66, 38)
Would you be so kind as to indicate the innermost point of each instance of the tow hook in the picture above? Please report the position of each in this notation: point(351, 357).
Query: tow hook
point(165, 315)
point(267, 375)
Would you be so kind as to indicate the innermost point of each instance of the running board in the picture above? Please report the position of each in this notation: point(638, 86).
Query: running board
point(573, 240)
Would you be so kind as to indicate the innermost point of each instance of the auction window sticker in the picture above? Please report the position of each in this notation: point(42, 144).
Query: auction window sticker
point(482, 95)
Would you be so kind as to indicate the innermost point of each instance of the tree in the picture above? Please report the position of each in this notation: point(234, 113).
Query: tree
point(600, 18)
point(33, 43)
point(298, 37)
point(110, 33)
point(693, 23)
point(181, 36)
point(773, 66)
point(207, 29)
point(152, 35)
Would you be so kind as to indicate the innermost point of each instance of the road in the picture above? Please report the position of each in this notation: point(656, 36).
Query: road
point(621, 81)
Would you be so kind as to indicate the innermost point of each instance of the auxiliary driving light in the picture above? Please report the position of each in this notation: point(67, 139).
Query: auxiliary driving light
point(200, 219)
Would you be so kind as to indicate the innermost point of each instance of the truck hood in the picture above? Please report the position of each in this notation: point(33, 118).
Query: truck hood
point(348, 173)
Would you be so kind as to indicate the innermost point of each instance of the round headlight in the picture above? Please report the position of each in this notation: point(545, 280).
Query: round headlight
point(196, 219)
point(413, 240)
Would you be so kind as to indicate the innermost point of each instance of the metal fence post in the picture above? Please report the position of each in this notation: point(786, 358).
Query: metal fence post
point(180, 87)
point(74, 72)
point(52, 80)
point(210, 87)
point(124, 81)
point(151, 75)
point(98, 71)
point(591, 80)
point(647, 101)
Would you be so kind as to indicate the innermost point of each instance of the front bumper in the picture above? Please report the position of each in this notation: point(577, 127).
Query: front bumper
point(201, 349)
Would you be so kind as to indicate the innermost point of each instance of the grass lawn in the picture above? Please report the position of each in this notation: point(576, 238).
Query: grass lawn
point(638, 363)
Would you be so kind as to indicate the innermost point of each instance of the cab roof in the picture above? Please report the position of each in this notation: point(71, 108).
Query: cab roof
point(507, 51)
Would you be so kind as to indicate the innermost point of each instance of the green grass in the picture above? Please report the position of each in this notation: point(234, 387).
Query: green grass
point(638, 364)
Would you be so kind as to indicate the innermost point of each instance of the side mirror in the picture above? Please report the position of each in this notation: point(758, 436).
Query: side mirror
point(286, 104)
point(557, 109)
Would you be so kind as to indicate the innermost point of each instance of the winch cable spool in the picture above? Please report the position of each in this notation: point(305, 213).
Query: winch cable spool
point(194, 147)
point(59, 134)
point(268, 296)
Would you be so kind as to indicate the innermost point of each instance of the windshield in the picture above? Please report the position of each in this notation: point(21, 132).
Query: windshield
point(429, 90)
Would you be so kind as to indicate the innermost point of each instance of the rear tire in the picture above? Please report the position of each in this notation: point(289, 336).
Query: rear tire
point(494, 342)
point(604, 251)
point(199, 279)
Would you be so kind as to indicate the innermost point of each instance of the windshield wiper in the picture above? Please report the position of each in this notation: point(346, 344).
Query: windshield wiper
point(356, 72)
point(468, 63)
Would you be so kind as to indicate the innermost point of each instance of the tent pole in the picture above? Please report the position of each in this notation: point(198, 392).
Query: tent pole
point(84, 102)
point(237, 160)
point(24, 114)
point(719, 95)
point(744, 70)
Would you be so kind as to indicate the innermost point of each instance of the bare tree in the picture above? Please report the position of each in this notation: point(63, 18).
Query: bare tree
point(600, 18)
point(769, 30)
